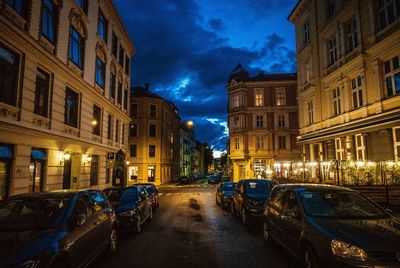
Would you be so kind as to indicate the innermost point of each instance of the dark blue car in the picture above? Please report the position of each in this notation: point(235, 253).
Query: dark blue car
point(56, 229)
point(132, 205)
point(224, 194)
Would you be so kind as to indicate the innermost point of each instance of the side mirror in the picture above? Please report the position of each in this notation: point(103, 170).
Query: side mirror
point(80, 219)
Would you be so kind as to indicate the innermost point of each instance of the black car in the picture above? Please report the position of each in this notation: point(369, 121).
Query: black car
point(153, 193)
point(214, 178)
point(249, 198)
point(56, 229)
point(224, 193)
point(331, 226)
point(132, 205)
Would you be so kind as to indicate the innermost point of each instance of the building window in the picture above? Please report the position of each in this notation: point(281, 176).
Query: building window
point(352, 35)
point(280, 97)
point(339, 148)
point(119, 97)
point(396, 142)
point(259, 99)
point(49, 20)
point(133, 150)
point(9, 66)
point(121, 56)
point(152, 110)
point(307, 71)
point(110, 127)
point(125, 99)
point(360, 147)
point(18, 5)
point(306, 31)
point(96, 121)
point(117, 131)
point(388, 12)
point(42, 93)
point(94, 170)
point(133, 172)
point(102, 27)
point(152, 151)
point(36, 168)
point(281, 120)
point(310, 112)
point(236, 121)
point(133, 130)
point(259, 121)
point(127, 65)
point(151, 173)
point(113, 82)
point(100, 72)
point(237, 143)
point(71, 108)
point(235, 101)
point(330, 8)
point(356, 88)
point(114, 45)
point(392, 76)
point(134, 111)
point(332, 50)
point(123, 134)
point(259, 142)
point(83, 5)
point(76, 48)
point(152, 130)
point(282, 142)
point(336, 101)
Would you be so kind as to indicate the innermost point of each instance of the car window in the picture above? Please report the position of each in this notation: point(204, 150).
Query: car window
point(258, 187)
point(277, 198)
point(83, 206)
point(289, 201)
point(98, 201)
point(149, 189)
point(228, 186)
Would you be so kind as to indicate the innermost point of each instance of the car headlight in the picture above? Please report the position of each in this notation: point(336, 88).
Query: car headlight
point(127, 213)
point(29, 264)
point(345, 250)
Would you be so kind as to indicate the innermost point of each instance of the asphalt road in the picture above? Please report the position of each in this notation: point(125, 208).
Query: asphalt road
point(190, 230)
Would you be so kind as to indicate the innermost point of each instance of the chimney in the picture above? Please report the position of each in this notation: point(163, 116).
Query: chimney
point(146, 86)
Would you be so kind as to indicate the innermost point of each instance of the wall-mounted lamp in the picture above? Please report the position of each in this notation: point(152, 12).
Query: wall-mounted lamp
point(127, 162)
point(62, 156)
point(86, 159)
point(94, 122)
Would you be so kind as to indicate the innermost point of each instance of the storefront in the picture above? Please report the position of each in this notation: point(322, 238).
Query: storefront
point(6, 156)
point(37, 169)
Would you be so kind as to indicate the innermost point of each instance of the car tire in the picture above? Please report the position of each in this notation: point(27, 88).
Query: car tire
point(113, 243)
point(138, 225)
point(244, 216)
point(268, 240)
point(309, 258)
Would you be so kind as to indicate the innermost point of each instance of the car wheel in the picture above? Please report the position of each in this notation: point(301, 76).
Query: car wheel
point(310, 259)
point(112, 248)
point(266, 234)
point(244, 216)
point(151, 214)
point(138, 226)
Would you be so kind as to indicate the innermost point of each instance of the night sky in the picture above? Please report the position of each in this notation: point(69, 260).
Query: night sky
point(186, 49)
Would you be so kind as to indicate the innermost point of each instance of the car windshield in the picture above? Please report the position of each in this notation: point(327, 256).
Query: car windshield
point(228, 186)
point(149, 189)
point(258, 187)
point(339, 204)
point(122, 194)
point(32, 213)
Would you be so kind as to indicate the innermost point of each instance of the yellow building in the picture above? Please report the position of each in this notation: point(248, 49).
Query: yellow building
point(64, 81)
point(263, 124)
point(153, 138)
point(348, 79)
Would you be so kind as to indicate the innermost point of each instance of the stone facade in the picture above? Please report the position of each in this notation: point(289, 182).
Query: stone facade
point(187, 148)
point(54, 134)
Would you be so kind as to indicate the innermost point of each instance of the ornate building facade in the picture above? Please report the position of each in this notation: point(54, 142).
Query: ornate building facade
point(153, 138)
point(64, 81)
point(187, 148)
point(263, 124)
point(348, 55)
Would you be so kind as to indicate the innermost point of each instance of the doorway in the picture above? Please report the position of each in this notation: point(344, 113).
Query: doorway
point(151, 172)
point(72, 171)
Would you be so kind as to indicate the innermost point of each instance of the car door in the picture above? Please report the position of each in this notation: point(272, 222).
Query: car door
point(235, 196)
point(275, 213)
point(142, 203)
point(240, 197)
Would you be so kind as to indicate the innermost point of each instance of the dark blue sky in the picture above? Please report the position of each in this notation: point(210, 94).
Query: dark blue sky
point(187, 48)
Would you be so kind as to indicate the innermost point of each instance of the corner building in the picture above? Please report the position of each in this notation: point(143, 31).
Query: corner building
point(64, 82)
point(348, 57)
point(263, 124)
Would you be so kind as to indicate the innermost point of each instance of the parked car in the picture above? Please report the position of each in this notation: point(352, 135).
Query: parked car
point(132, 205)
point(331, 226)
point(214, 178)
point(224, 194)
point(184, 180)
point(249, 198)
point(153, 193)
point(56, 229)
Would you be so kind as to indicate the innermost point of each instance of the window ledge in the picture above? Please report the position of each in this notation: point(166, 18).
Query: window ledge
point(8, 111)
point(96, 138)
point(40, 121)
point(98, 88)
point(46, 44)
point(75, 68)
point(14, 17)
point(71, 130)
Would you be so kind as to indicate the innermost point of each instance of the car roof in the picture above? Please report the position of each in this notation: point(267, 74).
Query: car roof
point(256, 180)
point(313, 187)
point(145, 184)
point(121, 187)
point(230, 182)
point(52, 194)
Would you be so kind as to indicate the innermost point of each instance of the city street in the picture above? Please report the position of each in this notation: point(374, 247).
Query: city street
point(190, 230)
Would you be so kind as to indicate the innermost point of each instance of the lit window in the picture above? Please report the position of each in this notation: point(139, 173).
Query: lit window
point(356, 88)
point(49, 20)
point(259, 99)
point(352, 35)
point(392, 76)
point(336, 101)
point(339, 148)
point(259, 142)
point(100, 72)
point(259, 121)
point(76, 48)
point(280, 97)
point(396, 142)
point(360, 146)
point(96, 121)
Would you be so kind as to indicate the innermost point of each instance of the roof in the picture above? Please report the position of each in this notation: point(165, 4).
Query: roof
point(313, 187)
point(141, 92)
point(294, 9)
point(273, 77)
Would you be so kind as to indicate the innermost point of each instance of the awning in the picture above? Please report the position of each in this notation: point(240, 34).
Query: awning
point(38, 155)
point(5, 152)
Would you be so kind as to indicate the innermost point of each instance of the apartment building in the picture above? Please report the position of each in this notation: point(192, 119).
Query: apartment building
point(187, 148)
point(348, 58)
point(263, 124)
point(64, 81)
point(153, 138)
